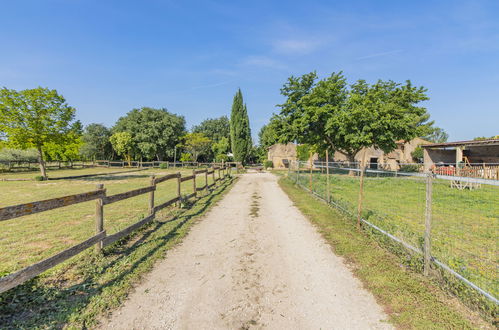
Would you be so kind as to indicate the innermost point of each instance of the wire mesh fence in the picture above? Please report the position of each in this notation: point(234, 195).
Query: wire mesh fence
point(454, 221)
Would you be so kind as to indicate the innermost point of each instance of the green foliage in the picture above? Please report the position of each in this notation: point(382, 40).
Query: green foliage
point(122, 143)
point(410, 168)
point(163, 166)
point(155, 132)
point(268, 164)
point(269, 134)
point(33, 118)
point(436, 135)
point(417, 154)
point(10, 154)
point(196, 144)
point(486, 138)
point(303, 151)
point(221, 149)
point(214, 128)
point(39, 178)
point(186, 157)
point(347, 118)
point(96, 143)
point(240, 133)
point(67, 151)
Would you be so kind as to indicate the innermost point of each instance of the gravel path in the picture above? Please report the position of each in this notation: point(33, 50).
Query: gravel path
point(254, 261)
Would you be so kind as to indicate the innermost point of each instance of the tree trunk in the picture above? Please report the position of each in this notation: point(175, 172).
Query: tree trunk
point(43, 171)
point(351, 161)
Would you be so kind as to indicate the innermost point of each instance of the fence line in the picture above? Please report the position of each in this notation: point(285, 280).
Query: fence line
point(101, 239)
point(425, 210)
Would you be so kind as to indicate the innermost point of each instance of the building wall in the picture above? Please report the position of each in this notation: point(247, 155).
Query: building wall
point(278, 152)
point(402, 154)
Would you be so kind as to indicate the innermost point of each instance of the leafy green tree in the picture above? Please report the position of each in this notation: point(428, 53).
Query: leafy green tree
point(221, 149)
point(96, 143)
point(240, 133)
point(186, 157)
point(215, 129)
point(346, 118)
point(436, 135)
point(33, 118)
point(122, 143)
point(196, 144)
point(155, 132)
point(67, 151)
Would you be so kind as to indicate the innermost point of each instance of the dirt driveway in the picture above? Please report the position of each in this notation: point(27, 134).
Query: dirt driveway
point(254, 261)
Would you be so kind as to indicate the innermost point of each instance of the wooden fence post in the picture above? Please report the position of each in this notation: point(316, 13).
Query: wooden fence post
point(428, 216)
point(99, 218)
point(179, 193)
point(328, 199)
point(194, 183)
point(213, 174)
point(361, 195)
point(206, 181)
point(310, 181)
point(151, 196)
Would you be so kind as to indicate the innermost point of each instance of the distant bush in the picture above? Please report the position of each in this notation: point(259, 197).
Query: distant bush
point(163, 166)
point(410, 168)
point(268, 164)
point(39, 178)
point(10, 154)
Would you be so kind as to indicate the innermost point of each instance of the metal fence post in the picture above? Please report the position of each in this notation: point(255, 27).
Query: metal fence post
point(99, 217)
point(151, 196)
point(428, 216)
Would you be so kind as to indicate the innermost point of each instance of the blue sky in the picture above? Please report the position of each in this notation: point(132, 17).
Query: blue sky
point(107, 57)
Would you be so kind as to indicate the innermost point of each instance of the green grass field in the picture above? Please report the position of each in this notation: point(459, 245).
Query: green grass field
point(464, 226)
point(411, 300)
point(28, 239)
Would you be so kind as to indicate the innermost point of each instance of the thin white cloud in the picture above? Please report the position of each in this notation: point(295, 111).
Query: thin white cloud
point(212, 85)
point(262, 61)
point(391, 52)
point(296, 46)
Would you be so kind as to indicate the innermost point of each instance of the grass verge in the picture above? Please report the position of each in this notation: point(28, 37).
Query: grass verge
point(77, 293)
point(410, 300)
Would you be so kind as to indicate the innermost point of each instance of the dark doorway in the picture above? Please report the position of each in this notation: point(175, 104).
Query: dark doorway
point(373, 163)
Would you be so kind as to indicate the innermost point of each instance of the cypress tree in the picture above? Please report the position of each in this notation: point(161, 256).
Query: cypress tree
point(240, 132)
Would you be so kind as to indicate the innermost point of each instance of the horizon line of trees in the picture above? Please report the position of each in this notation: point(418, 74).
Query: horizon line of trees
point(39, 124)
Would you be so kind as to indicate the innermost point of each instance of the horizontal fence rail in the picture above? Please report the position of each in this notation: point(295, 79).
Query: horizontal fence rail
point(101, 239)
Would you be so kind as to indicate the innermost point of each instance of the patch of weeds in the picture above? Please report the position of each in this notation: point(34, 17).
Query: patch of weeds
point(255, 206)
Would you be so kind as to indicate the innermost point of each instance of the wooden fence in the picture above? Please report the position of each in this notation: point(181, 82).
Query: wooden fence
point(101, 239)
point(474, 171)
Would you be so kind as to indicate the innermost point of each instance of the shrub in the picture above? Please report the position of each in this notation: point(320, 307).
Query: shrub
point(163, 166)
point(409, 168)
point(39, 178)
point(268, 164)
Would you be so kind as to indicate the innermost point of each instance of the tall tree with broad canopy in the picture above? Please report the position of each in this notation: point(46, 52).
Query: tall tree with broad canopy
point(96, 143)
point(215, 129)
point(329, 113)
point(240, 133)
point(196, 144)
point(34, 118)
point(155, 132)
point(122, 143)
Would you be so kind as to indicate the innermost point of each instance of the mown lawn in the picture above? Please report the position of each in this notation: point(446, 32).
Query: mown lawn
point(465, 223)
point(78, 292)
point(410, 300)
point(28, 239)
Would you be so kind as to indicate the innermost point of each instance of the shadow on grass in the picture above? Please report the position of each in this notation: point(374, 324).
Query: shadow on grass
point(62, 296)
